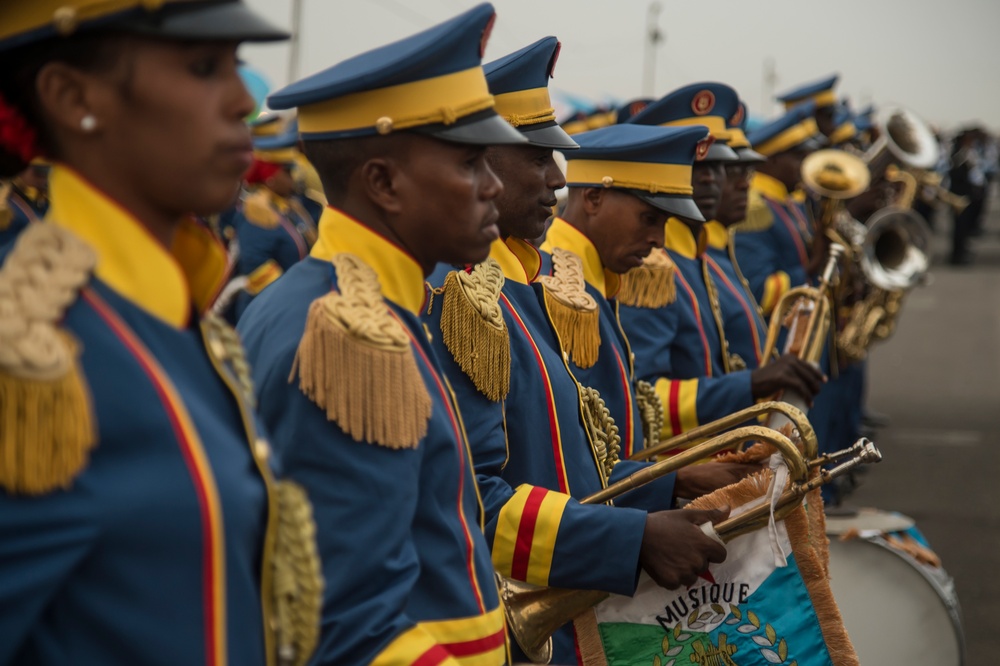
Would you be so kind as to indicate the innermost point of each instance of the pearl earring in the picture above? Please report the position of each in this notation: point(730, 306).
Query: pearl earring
point(88, 123)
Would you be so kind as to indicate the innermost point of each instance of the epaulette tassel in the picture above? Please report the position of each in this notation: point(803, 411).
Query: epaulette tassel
point(473, 329)
point(579, 330)
point(355, 362)
point(650, 285)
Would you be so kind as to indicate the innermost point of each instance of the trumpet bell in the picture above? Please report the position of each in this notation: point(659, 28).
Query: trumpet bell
point(835, 174)
point(895, 255)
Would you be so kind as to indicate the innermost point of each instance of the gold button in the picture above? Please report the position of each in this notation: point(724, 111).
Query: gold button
point(383, 125)
point(65, 20)
point(608, 181)
point(261, 450)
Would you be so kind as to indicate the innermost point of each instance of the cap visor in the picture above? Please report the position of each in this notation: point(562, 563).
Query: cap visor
point(489, 130)
point(749, 155)
point(683, 206)
point(231, 20)
point(551, 136)
point(720, 152)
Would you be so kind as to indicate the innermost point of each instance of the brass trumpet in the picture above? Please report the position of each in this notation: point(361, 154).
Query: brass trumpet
point(804, 430)
point(535, 613)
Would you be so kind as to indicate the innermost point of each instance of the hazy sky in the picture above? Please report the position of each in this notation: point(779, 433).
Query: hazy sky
point(941, 58)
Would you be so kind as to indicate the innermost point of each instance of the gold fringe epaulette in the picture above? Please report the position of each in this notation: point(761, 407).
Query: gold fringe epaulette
point(298, 577)
point(759, 216)
point(355, 361)
point(473, 329)
point(46, 425)
point(258, 211)
point(650, 285)
point(6, 214)
point(574, 312)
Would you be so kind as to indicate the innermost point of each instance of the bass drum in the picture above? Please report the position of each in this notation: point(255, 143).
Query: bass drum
point(899, 606)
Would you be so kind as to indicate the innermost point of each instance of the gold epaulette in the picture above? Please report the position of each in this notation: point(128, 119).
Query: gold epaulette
point(355, 361)
point(257, 209)
point(46, 425)
point(298, 577)
point(574, 312)
point(6, 214)
point(650, 285)
point(473, 329)
point(759, 215)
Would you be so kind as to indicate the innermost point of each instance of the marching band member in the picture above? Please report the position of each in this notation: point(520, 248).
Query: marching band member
point(742, 320)
point(349, 385)
point(273, 229)
point(820, 94)
point(522, 408)
point(681, 345)
point(138, 517)
point(776, 247)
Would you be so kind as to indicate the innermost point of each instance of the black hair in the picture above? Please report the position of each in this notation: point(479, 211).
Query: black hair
point(91, 51)
point(336, 160)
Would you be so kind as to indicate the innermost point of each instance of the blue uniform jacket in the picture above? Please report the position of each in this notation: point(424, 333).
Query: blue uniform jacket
point(612, 375)
point(742, 319)
point(155, 553)
point(533, 456)
point(273, 234)
point(408, 572)
point(772, 246)
point(680, 348)
point(25, 207)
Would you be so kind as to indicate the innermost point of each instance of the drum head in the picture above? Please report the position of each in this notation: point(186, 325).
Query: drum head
point(895, 613)
point(865, 521)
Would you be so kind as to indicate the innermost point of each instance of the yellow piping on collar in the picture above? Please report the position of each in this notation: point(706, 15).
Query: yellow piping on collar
point(442, 99)
point(647, 176)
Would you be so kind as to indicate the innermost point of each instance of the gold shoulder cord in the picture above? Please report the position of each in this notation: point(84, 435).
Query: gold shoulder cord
point(355, 362)
point(651, 412)
point(602, 429)
point(46, 421)
point(473, 328)
point(574, 312)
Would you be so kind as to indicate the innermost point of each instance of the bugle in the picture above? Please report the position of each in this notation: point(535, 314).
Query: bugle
point(535, 613)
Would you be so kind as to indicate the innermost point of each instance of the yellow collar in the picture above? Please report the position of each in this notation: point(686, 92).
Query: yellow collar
point(770, 187)
point(400, 275)
point(163, 282)
point(718, 235)
point(519, 259)
point(679, 238)
point(564, 235)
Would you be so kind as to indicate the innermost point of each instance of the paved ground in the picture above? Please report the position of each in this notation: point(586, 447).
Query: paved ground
point(938, 379)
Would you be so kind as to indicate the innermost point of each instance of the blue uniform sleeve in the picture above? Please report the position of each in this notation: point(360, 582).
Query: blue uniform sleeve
point(42, 541)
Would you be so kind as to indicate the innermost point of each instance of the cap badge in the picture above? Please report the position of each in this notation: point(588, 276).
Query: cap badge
point(701, 151)
point(703, 102)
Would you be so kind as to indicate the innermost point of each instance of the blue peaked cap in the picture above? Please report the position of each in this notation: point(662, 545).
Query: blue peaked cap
point(510, 79)
point(810, 90)
point(450, 48)
point(774, 128)
point(715, 103)
point(603, 151)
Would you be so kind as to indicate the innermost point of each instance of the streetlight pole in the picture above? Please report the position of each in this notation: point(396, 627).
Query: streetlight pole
point(653, 39)
point(293, 44)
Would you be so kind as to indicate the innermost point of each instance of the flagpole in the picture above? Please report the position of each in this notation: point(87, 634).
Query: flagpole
point(293, 44)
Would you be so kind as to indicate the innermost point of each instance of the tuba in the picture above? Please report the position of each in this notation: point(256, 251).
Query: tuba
point(904, 139)
point(894, 259)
